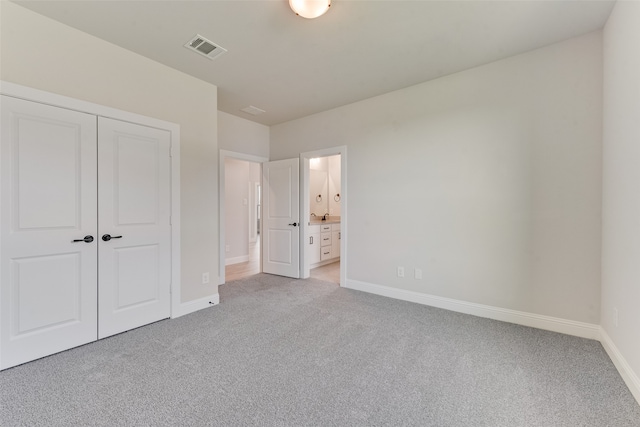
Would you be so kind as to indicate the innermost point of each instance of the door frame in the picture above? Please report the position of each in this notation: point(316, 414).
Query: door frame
point(305, 212)
point(48, 98)
point(225, 154)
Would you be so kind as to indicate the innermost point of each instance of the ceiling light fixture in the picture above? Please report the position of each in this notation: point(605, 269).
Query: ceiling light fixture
point(310, 8)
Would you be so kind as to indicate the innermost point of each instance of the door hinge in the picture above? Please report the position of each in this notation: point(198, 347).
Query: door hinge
point(170, 219)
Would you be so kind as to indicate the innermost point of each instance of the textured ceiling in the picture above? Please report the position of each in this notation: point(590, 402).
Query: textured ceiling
point(292, 67)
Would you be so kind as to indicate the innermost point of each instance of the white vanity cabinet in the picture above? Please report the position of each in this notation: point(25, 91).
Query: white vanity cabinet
point(314, 244)
point(324, 244)
point(335, 240)
point(325, 248)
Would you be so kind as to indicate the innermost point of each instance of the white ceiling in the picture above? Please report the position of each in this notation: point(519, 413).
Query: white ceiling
point(292, 67)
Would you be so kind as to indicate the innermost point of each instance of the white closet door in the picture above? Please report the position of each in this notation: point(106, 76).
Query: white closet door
point(134, 176)
point(48, 200)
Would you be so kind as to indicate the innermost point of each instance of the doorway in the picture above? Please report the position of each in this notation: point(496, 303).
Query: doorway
point(324, 191)
point(240, 215)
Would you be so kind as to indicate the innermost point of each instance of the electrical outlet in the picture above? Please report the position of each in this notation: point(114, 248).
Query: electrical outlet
point(400, 271)
point(418, 273)
point(227, 248)
point(615, 317)
point(205, 278)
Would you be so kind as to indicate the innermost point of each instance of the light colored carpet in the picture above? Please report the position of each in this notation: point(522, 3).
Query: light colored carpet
point(278, 352)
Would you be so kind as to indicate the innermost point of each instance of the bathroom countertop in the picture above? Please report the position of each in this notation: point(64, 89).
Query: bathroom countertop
point(334, 220)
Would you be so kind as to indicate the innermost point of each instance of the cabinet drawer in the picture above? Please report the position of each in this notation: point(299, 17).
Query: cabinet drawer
point(325, 253)
point(325, 239)
point(325, 227)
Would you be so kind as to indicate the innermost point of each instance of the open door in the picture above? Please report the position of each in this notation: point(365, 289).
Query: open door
point(281, 218)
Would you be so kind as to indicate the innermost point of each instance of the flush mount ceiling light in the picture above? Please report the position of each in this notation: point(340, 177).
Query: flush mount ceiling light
point(310, 8)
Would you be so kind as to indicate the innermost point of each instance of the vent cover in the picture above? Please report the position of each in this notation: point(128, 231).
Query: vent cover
point(205, 47)
point(254, 111)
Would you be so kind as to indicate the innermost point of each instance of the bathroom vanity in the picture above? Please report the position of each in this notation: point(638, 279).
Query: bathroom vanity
point(323, 238)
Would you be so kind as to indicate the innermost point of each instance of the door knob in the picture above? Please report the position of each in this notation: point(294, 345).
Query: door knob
point(87, 239)
point(107, 237)
point(295, 224)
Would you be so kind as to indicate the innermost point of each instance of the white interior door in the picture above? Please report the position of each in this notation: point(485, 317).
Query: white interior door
point(134, 175)
point(48, 206)
point(281, 219)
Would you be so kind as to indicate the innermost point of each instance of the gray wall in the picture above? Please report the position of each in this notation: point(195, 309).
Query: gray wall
point(621, 173)
point(242, 136)
point(72, 63)
point(489, 180)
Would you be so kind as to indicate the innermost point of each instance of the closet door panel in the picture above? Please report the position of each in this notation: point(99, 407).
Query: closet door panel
point(134, 202)
point(48, 196)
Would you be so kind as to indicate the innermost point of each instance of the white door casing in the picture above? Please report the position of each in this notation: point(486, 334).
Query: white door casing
point(305, 211)
point(224, 155)
point(48, 200)
point(280, 211)
point(134, 177)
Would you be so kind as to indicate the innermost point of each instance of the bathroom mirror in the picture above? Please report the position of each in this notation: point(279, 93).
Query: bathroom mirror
point(324, 186)
point(319, 192)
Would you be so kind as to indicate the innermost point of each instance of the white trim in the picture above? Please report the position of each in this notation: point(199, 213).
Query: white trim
point(626, 372)
point(236, 260)
point(195, 305)
point(48, 98)
point(53, 99)
point(255, 202)
point(555, 324)
point(221, 205)
point(305, 213)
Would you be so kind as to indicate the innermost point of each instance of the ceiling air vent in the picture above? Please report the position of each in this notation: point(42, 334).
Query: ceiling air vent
point(205, 47)
point(254, 111)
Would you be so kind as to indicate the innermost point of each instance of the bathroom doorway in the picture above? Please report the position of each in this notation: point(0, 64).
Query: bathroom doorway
point(323, 215)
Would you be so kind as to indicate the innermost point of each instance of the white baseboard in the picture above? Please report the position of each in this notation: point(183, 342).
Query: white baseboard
point(555, 324)
point(236, 260)
point(195, 305)
point(626, 372)
point(569, 327)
